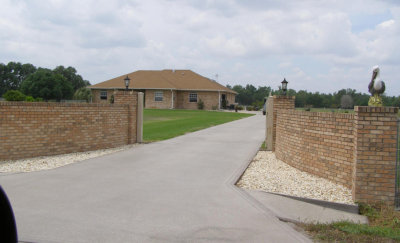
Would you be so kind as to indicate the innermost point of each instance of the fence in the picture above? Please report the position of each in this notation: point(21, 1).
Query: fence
point(356, 150)
point(30, 129)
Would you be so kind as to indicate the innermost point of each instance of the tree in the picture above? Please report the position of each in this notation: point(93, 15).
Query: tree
point(12, 75)
point(14, 95)
point(83, 94)
point(346, 102)
point(48, 85)
point(72, 77)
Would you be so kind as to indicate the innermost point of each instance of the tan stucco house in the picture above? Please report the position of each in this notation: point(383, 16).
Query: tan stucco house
point(168, 89)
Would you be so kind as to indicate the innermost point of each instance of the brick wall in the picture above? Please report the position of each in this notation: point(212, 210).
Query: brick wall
point(96, 96)
point(166, 103)
point(375, 137)
point(130, 98)
point(39, 129)
point(210, 99)
point(356, 150)
point(318, 143)
point(280, 103)
point(181, 99)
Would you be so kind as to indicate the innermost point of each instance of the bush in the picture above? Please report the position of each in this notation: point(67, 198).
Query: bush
point(249, 108)
point(239, 107)
point(83, 94)
point(200, 105)
point(214, 107)
point(29, 99)
point(14, 95)
point(224, 103)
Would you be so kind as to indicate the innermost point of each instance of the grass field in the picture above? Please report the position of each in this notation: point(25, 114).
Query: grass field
point(384, 226)
point(165, 124)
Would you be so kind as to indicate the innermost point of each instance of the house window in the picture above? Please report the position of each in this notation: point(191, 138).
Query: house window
point(158, 96)
point(103, 95)
point(192, 97)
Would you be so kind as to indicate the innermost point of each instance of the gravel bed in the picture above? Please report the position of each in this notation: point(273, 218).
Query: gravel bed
point(269, 174)
point(51, 162)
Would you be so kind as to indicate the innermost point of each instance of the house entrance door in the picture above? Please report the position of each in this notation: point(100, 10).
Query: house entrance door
point(223, 101)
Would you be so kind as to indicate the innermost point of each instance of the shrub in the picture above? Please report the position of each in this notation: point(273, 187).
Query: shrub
point(239, 107)
point(83, 94)
point(249, 108)
point(14, 95)
point(29, 99)
point(214, 107)
point(224, 103)
point(200, 105)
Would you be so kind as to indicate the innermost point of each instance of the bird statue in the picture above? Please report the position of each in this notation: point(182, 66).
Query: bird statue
point(376, 87)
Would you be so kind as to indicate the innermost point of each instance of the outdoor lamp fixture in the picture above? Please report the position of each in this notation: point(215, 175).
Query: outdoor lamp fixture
point(127, 81)
point(284, 86)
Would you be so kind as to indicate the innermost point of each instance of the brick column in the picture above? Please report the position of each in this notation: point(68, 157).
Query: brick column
point(375, 137)
point(129, 98)
point(280, 102)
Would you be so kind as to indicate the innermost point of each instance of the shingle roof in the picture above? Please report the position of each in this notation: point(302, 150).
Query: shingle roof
point(164, 79)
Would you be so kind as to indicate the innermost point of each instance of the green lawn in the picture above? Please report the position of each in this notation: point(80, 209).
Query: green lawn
point(165, 124)
point(384, 226)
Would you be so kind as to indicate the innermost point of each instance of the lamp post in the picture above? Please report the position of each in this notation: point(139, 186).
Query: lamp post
point(127, 81)
point(284, 86)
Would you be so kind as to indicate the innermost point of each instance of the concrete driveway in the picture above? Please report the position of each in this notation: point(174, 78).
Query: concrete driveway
point(179, 190)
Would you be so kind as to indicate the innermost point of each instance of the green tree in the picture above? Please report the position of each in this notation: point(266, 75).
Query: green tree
point(240, 93)
point(48, 85)
point(72, 77)
point(83, 94)
point(301, 98)
point(12, 75)
point(14, 95)
point(346, 102)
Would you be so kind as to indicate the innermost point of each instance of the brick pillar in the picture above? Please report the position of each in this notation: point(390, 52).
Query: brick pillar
point(280, 102)
point(375, 137)
point(129, 98)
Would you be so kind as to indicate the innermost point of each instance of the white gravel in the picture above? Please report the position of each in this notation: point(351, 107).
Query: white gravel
point(269, 174)
point(51, 162)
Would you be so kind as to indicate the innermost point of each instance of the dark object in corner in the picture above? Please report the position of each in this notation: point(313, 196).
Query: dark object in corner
point(8, 228)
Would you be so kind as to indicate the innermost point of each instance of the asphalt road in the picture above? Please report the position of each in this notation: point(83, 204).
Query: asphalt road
point(178, 190)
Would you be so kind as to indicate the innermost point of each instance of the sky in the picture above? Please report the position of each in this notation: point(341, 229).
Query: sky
point(317, 45)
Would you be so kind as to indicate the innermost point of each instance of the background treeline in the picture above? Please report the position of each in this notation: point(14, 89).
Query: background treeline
point(26, 82)
point(344, 98)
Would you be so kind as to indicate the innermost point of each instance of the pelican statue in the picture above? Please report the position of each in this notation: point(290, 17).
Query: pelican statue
point(376, 87)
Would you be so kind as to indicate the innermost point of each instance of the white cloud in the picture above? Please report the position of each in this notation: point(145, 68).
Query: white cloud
point(312, 43)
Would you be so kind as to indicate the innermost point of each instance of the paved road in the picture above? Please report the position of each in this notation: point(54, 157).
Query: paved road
point(179, 190)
